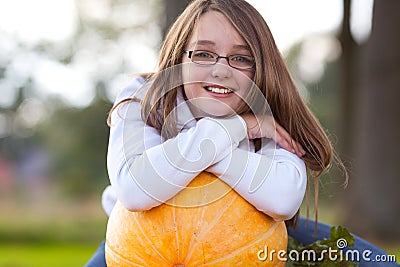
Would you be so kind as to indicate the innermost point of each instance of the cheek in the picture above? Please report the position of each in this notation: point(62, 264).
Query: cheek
point(192, 73)
point(193, 77)
point(245, 82)
point(250, 74)
point(189, 91)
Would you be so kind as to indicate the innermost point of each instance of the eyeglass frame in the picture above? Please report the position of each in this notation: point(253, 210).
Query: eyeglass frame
point(210, 63)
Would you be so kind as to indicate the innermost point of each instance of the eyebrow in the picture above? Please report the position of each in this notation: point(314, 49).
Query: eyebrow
point(208, 42)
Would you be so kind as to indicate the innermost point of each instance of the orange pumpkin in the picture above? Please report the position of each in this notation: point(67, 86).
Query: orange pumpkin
point(226, 232)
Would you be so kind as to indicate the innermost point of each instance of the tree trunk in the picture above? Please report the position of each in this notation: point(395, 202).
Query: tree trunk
point(173, 8)
point(348, 85)
point(374, 209)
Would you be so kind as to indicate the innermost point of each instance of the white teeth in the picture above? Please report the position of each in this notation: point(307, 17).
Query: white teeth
point(219, 90)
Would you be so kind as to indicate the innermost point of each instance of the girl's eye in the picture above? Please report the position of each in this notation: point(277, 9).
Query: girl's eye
point(241, 59)
point(203, 54)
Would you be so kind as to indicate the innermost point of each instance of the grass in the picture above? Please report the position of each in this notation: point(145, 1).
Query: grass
point(44, 234)
point(45, 255)
point(53, 232)
point(66, 234)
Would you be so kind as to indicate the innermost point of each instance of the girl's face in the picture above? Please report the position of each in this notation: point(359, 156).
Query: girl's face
point(216, 90)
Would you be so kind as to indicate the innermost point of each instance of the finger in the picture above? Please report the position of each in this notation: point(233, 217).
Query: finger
point(297, 147)
point(288, 139)
point(294, 146)
point(283, 142)
point(301, 149)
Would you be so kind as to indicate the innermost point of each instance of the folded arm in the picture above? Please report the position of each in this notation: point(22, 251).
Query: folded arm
point(146, 171)
point(272, 180)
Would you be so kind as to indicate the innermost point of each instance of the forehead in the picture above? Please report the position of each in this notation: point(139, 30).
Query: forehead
point(213, 28)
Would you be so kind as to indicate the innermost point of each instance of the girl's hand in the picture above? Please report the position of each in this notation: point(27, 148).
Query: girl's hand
point(266, 126)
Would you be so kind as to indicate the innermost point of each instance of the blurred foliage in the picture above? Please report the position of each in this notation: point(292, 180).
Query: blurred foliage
point(73, 138)
point(77, 140)
point(322, 98)
point(68, 231)
point(320, 247)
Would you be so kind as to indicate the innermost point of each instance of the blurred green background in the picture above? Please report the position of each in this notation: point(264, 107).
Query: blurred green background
point(62, 63)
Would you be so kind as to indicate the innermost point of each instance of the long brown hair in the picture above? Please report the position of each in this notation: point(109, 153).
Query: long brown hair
point(271, 77)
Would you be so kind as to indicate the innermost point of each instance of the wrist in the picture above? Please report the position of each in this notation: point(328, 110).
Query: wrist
point(252, 126)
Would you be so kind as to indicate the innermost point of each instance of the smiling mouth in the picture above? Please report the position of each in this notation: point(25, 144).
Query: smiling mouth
point(218, 90)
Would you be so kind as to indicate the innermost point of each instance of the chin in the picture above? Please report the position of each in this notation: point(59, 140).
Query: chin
point(216, 112)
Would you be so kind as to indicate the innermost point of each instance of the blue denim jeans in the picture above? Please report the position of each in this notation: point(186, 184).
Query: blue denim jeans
point(304, 234)
point(99, 257)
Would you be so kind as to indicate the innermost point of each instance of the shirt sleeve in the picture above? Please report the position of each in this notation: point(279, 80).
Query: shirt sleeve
point(273, 180)
point(146, 171)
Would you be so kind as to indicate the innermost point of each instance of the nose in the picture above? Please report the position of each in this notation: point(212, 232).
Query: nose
point(222, 70)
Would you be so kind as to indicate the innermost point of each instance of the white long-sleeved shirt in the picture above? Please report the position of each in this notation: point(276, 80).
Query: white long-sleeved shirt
point(145, 170)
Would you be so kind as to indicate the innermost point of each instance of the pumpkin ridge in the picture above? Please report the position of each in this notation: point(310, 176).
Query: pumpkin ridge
point(176, 233)
point(204, 232)
point(121, 258)
point(243, 248)
point(226, 232)
point(148, 240)
point(193, 238)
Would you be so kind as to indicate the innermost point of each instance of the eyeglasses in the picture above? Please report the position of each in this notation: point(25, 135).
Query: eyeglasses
point(203, 57)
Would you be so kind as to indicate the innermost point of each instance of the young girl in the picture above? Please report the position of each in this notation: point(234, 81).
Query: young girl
point(151, 158)
point(206, 109)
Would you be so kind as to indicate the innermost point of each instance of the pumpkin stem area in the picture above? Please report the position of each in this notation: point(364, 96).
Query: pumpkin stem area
point(179, 265)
